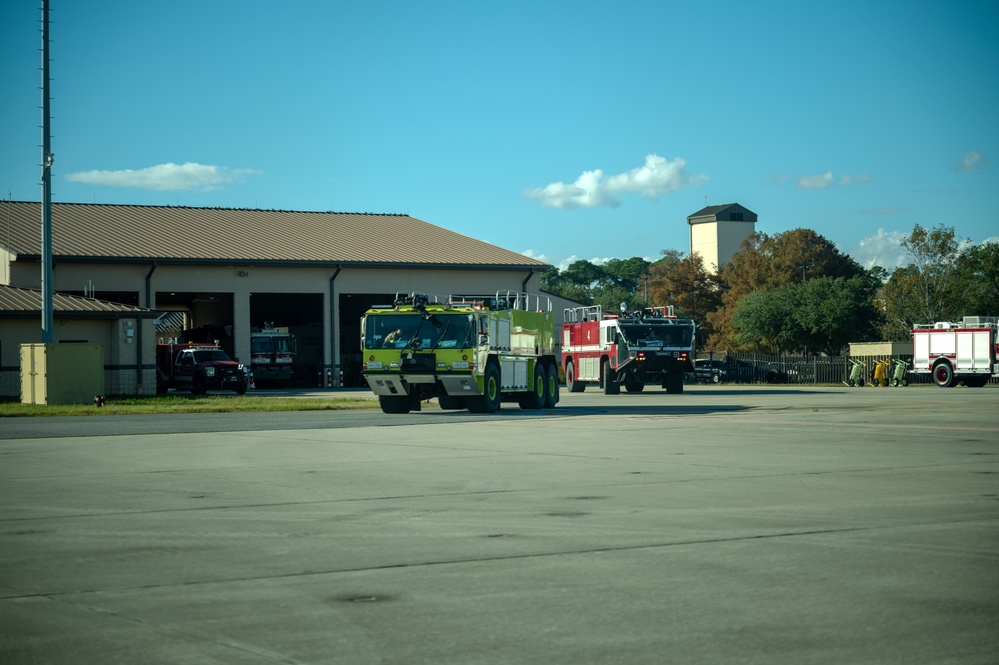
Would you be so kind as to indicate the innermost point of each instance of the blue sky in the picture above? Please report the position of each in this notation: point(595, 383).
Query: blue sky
point(561, 130)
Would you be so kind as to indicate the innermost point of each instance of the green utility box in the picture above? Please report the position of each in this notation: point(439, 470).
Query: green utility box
point(70, 373)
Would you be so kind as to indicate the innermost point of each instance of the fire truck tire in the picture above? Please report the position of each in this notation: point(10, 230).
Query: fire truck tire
point(448, 403)
point(535, 399)
point(634, 386)
point(394, 403)
point(551, 396)
point(674, 383)
point(571, 383)
point(943, 375)
point(608, 380)
point(241, 390)
point(492, 395)
point(198, 386)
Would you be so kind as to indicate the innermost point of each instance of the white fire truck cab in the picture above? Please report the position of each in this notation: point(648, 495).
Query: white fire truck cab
point(957, 352)
point(629, 348)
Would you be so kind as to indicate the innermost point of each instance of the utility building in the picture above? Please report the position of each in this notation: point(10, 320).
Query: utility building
point(716, 232)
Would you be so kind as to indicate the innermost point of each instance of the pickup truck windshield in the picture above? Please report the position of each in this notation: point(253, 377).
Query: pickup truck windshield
point(209, 356)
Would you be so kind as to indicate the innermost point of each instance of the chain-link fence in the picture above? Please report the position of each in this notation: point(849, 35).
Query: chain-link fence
point(809, 370)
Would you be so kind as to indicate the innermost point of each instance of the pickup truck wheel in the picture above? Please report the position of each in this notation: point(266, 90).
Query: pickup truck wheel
point(241, 390)
point(198, 386)
point(716, 377)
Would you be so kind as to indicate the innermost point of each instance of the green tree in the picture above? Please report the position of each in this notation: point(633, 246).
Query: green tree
point(768, 262)
point(831, 312)
point(764, 321)
point(898, 302)
point(683, 281)
point(933, 254)
point(978, 279)
point(819, 315)
point(623, 281)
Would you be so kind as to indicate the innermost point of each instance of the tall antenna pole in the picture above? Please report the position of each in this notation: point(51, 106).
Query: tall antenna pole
point(47, 159)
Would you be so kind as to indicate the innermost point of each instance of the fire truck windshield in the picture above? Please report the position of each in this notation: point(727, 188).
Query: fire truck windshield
point(666, 336)
point(396, 331)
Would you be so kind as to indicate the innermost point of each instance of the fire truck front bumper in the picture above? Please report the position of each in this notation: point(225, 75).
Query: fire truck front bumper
point(460, 385)
point(651, 362)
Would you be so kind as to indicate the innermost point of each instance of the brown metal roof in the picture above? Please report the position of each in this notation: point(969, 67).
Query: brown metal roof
point(27, 303)
point(127, 233)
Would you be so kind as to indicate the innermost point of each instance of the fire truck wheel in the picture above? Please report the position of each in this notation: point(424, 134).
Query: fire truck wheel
point(449, 403)
point(490, 400)
point(551, 396)
point(674, 383)
point(393, 403)
point(608, 380)
point(535, 399)
point(241, 390)
point(571, 383)
point(943, 375)
point(634, 386)
point(198, 386)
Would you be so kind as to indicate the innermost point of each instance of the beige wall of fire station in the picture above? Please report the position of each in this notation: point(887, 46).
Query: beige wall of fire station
point(242, 281)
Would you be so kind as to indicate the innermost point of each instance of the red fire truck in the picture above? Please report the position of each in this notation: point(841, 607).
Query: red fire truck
point(629, 348)
point(272, 356)
point(957, 352)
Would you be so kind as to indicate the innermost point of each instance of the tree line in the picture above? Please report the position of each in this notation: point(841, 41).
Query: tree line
point(795, 292)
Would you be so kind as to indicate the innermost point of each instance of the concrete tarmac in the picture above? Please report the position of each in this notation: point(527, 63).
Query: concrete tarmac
point(744, 525)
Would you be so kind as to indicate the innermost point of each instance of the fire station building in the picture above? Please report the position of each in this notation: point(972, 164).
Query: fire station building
point(130, 277)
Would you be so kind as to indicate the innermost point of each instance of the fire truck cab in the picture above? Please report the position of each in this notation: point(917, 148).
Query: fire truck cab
point(632, 348)
point(955, 352)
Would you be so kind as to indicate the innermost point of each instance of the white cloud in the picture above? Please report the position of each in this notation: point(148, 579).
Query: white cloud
point(884, 249)
point(531, 254)
point(815, 181)
point(972, 161)
point(165, 177)
point(823, 181)
point(591, 189)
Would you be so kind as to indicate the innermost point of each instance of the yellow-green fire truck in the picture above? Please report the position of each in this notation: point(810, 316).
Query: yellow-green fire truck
point(470, 352)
